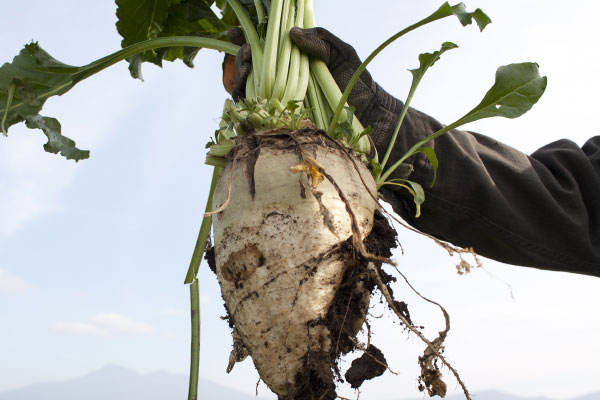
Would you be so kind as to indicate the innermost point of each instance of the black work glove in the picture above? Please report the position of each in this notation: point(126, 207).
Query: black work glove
point(236, 70)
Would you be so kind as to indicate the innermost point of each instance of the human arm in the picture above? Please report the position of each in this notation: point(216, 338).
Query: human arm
point(540, 211)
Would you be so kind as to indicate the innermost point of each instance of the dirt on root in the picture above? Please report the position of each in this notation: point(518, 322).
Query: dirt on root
point(344, 321)
point(368, 366)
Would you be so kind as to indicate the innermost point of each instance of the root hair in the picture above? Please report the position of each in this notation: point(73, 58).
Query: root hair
point(430, 374)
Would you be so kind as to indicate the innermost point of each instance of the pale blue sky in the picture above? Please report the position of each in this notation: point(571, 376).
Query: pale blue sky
point(93, 255)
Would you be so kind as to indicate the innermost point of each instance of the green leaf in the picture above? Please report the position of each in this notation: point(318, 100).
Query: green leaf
point(364, 133)
point(465, 17)
point(517, 88)
point(135, 66)
point(26, 84)
point(375, 168)
point(481, 18)
point(191, 18)
point(426, 60)
point(140, 20)
point(430, 153)
point(293, 105)
point(419, 192)
point(415, 189)
point(227, 13)
point(229, 17)
point(57, 143)
point(221, 149)
point(444, 11)
point(215, 161)
point(34, 76)
point(418, 196)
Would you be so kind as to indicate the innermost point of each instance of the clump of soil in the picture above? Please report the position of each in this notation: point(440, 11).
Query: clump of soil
point(209, 256)
point(370, 365)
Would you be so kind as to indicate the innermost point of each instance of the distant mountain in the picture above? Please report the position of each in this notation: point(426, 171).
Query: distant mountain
point(118, 383)
point(591, 396)
point(497, 395)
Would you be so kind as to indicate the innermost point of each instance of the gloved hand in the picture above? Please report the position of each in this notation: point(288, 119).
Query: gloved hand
point(236, 69)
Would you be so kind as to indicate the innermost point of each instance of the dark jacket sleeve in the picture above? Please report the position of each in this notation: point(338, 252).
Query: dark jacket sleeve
point(540, 211)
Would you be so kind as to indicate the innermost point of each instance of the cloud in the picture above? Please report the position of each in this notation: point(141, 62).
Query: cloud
point(175, 312)
point(11, 284)
point(77, 328)
point(103, 324)
point(118, 323)
point(205, 300)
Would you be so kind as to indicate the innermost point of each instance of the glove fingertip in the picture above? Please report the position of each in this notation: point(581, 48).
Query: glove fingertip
point(236, 36)
point(310, 41)
point(238, 94)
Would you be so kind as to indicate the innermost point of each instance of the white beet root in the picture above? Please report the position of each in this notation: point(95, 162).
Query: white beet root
point(278, 254)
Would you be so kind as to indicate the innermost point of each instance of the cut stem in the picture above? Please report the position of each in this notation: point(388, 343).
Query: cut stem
point(204, 232)
point(195, 345)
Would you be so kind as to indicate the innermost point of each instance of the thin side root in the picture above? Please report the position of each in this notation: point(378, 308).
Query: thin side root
point(345, 398)
point(446, 315)
point(463, 266)
point(432, 347)
point(337, 343)
point(229, 184)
